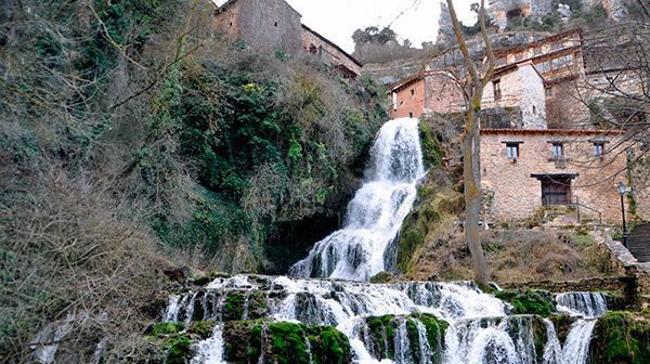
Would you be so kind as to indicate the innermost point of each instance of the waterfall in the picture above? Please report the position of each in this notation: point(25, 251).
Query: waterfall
point(588, 304)
point(403, 323)
point(210, 351)
point(375, 214)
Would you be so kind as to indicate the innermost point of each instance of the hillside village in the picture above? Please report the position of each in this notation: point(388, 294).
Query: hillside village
point(228, 185)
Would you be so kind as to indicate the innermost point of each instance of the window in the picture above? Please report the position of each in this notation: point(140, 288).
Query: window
point(412, 92)
point(549, 91)
point(557, 150)
point(512, 150)
point(599, 149)
point(275, 24)
point(534, 110)
point(410, 114)
point(497, 89)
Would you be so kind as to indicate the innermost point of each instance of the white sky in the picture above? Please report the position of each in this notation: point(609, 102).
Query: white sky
point(338, 19)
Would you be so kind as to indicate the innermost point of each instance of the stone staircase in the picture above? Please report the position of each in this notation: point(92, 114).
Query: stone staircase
point(638, 243)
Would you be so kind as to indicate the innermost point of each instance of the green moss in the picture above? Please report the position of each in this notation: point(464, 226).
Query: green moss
point(179, 350)
point(431, 151)
point(535, 302)
point(382, 334)
point(234, 308)
point(166, 328)
point(284, 343)
point(562, 325)
point(328, 345)
point(621, 337)
point(381, 277)
point(383, 330)
point(203, 329)
point(288, 343)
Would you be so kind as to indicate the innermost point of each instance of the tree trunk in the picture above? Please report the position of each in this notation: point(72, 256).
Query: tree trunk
point(472, 182)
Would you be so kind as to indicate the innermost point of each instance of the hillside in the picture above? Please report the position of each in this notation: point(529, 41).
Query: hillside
point(133, 143)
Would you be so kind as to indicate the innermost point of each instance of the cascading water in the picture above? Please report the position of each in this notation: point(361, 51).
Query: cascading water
point(375, 215)
point(406, 323)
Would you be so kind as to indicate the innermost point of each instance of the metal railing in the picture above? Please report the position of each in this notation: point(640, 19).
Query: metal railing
point(577, 205)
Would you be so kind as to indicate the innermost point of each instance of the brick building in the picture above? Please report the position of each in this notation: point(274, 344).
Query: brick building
point(524, 170)
point(272, 25)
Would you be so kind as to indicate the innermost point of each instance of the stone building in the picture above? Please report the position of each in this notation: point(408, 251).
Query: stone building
point(331, 54)
point(271, 25)
point(267, 25)
point(525, 170)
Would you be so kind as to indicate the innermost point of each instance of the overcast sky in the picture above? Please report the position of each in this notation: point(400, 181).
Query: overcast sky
point(338, 19)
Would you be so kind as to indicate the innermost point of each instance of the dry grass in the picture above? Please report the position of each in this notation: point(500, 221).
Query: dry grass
point(63, 251)
point(515, 256)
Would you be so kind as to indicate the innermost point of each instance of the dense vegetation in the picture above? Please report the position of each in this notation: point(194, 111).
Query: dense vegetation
point(133, 141)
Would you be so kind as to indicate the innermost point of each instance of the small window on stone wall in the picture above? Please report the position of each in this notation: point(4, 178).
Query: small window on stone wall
point(549, 91)
point(512, 151)
point(497, 89)
point(557, 150)
point(410, 115)
point(275, 24)
point(599, 149)
point(412, 92)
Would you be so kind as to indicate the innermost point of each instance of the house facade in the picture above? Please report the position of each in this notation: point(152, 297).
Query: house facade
point(525, 170)
point(330, 53)
point(272, 25)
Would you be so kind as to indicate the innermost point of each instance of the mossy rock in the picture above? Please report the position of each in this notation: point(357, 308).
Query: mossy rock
point(166, 328)
point(621, 337)
point(179, 350)
point(382, 331)
point(245, 305)
point(284, 343)
point(202, 329)
point(381, 277)
point(562, 325)
point(432, 153)
point(208, 278)
point(530, 301)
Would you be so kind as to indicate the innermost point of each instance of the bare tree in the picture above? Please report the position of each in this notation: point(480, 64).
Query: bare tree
point(479, 78)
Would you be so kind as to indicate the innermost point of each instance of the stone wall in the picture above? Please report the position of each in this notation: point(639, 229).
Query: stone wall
point(517, 195)
point(267, 25)
point(329, 53)
point(443, 94)
point(522, 87)
point(622, 284)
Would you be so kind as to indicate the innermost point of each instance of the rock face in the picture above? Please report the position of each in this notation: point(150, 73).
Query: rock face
point(445, 27)
point(616, 9)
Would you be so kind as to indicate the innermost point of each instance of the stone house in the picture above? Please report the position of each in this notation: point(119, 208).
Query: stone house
point(330, 53)
point(271, 25)
point(266, 25)
point(516, 86)
point(525, 170)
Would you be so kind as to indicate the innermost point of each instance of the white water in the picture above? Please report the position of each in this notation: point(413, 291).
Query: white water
point(479, 332)
point(375, 215)
point(210, 351)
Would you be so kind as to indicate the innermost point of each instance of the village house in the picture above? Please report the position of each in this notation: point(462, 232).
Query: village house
point(272, 25)
point(523, 170)
point(527, 79)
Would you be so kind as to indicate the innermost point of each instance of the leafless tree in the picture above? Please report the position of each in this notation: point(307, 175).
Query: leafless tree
point(479, 78)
